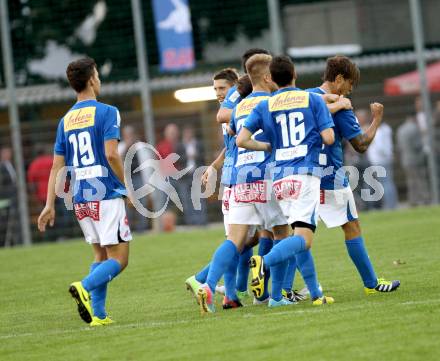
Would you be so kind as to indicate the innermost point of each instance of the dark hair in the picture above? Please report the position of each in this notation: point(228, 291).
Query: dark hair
point(341, 65)
point(248, 53)
point(244, 86)
point(79, 73)
point(282, 70)
point(228, 74)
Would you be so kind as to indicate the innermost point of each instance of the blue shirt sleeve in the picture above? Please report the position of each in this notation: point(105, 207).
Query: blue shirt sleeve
point(60, 141)
point(347, 124)
point(232, 98)
point(254, 121)
point(112, 124)
point(323, 117)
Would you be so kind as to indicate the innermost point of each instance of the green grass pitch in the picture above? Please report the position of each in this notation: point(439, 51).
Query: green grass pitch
point(158, 320)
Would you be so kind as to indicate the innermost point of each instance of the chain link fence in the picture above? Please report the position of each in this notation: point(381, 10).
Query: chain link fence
point(47, 35)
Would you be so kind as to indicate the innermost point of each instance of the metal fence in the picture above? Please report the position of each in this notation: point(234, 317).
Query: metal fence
point(46, 35)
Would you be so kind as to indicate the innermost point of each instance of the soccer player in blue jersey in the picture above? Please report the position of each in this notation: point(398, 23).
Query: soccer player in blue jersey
point(233, 97)
point(223, 80)
point(296, 123)
point(337, 207)
point(86, 142)
point(249, 204)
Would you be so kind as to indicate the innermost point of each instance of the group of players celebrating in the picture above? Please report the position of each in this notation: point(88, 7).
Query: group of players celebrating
point(282, 169)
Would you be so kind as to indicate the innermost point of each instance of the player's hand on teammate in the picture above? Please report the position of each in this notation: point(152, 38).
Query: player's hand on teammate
point(330, 98)
point(377, 111)
point(345, 103)
point(47, 216)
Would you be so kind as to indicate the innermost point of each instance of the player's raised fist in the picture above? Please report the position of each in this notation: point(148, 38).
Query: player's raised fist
point(376, 110)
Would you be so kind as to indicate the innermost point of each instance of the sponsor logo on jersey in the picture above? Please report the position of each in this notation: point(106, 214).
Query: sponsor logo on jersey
point(287, 189)
point(255, 192)
point(79, 118)
point(245, 107)
point(322, 196)
point(89, 209)
point(289, 100)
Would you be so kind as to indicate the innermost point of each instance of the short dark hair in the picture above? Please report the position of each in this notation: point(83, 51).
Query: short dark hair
point(341, 65)
point(79, 73)
point(248, 53)
point(244, 86)
point(228, 74)
point(282, 70)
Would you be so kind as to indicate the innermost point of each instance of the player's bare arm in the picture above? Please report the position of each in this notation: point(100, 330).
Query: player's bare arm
point(47, 215)
point(114, 159)
point(328, 136)
point(340, 104)
point(224, 115)
point(214, 166)
point(244, 140)
point(363, 141)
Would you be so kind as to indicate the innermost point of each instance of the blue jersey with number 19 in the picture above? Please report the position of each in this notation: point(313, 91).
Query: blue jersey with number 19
point(292, 120)
point(80, 139)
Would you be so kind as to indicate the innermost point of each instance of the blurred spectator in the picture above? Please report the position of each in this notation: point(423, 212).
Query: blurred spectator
point(359, 161)
point(191, 155)
point(380, 153)
point(128, 138)
point(436, 138)
point(165, 147)
point(8, 199)
point(38, 179)
point(410, 144)
point(38, 173)
point(422, 123)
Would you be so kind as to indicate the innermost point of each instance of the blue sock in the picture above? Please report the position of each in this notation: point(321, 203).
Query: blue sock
point(221, 260)
point(98, 296)
point(201, 276)
point(359, 255)
point(308, 272)
point(243, 269)
point(102, 274)
point(231, 278)
point(290, 275)
point(284, 250)
point(278, 273)
point(265, 245)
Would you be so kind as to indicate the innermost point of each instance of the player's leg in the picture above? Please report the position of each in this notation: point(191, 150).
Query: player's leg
point(288, 284)
point(338, 208)
point(224, 262)
point(274, 219)
point(113, 232)
point(99, 294)
point(359, 255)
point(278, 271)
point(265, 245)
point(307, 268)
point(194, 282)
point(243, 266)
point(79, 294)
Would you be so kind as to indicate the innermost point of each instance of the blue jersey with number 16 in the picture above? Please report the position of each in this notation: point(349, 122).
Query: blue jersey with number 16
point(80, 139)
point(292, 120)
